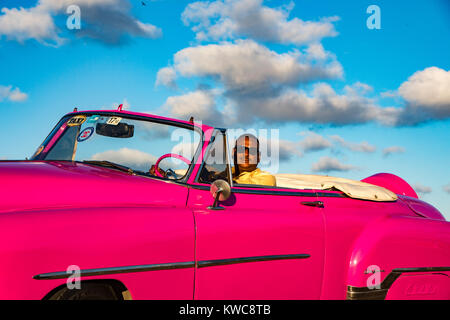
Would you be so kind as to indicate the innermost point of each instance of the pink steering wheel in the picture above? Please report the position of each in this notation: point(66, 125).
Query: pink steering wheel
point(169, 155)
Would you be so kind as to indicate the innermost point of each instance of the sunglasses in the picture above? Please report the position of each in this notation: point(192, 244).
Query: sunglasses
point(250, 150)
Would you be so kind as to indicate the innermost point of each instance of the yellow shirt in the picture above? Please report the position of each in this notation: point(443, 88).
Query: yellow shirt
point(256, 176)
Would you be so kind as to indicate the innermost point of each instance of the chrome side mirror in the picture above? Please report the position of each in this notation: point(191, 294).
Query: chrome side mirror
point(221, 191)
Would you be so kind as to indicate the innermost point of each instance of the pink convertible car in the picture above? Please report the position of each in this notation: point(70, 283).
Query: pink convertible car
point(124, 205)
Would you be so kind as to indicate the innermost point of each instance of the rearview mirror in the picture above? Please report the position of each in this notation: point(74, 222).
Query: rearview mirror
point(121, 130)
point(221, 191)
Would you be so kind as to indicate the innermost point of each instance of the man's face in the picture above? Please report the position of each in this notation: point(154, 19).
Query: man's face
point(247, 153)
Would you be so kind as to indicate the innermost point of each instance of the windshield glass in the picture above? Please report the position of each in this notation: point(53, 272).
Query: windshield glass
point(122, 142)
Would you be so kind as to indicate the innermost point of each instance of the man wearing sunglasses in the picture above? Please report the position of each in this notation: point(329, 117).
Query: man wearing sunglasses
point(246, 159)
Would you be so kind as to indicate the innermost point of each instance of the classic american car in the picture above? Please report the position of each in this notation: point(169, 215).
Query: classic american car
point(124, 205)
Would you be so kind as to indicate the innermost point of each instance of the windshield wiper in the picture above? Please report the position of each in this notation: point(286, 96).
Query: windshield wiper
point(105, 163)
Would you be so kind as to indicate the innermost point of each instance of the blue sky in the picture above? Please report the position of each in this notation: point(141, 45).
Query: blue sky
point(339, 92)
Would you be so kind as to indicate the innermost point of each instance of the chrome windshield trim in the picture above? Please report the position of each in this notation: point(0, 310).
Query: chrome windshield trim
point(214, 136)
point(228, 153)
point(149, 118)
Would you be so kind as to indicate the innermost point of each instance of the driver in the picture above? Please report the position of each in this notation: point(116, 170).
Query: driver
point(246, 156)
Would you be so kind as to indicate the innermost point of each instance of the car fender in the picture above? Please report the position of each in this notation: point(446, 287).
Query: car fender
point(394, 246)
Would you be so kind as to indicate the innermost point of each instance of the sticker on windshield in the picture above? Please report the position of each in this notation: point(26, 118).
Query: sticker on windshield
point(113, 121)
point(85, 134)
point(76, 121)
point(93, 118)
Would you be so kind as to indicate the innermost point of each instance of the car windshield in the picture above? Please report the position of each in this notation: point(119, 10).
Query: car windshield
point(122, 142)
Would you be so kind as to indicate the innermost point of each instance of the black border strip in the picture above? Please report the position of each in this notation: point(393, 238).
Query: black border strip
point(166, 266)
point(364, 293)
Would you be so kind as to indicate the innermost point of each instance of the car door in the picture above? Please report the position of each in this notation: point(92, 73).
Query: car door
point(264, 244)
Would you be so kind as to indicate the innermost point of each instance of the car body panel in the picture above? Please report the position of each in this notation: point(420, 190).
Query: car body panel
point(258, 225)
point(399, 242)
point(345, 221)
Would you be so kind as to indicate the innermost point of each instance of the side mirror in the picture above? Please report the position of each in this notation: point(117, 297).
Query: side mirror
point(221, 191)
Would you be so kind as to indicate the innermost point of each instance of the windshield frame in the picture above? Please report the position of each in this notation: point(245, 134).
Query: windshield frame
point(39, 156)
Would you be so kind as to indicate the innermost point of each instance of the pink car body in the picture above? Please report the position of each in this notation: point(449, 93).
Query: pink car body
point(151, 238)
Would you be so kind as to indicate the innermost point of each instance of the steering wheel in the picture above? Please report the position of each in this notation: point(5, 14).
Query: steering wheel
point(169, 155)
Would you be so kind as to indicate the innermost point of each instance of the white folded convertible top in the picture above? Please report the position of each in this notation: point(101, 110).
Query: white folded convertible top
point(352, 188)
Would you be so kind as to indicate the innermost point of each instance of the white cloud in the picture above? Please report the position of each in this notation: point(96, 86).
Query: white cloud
point(358, 147)
point(199, 104)
point(108, 21)
point(261, 85)
point(316, 51)
point(322, 106)
point(278, 149)
point(166, 76)
point(429, 88)
point(56, 5)
point(358, 88)
point(247, 65)
point(14, 95)
point(314, 142)
point(185, 149)
point(389, 94)
point(152, 131)
point(327, 164)
point(132, 158)
point(446, 188)
point(229, 19)
point(427, 94)
point(125, 105)
point(421, 189)
point(391, 150)
point(289, 149)
point(23, 24)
